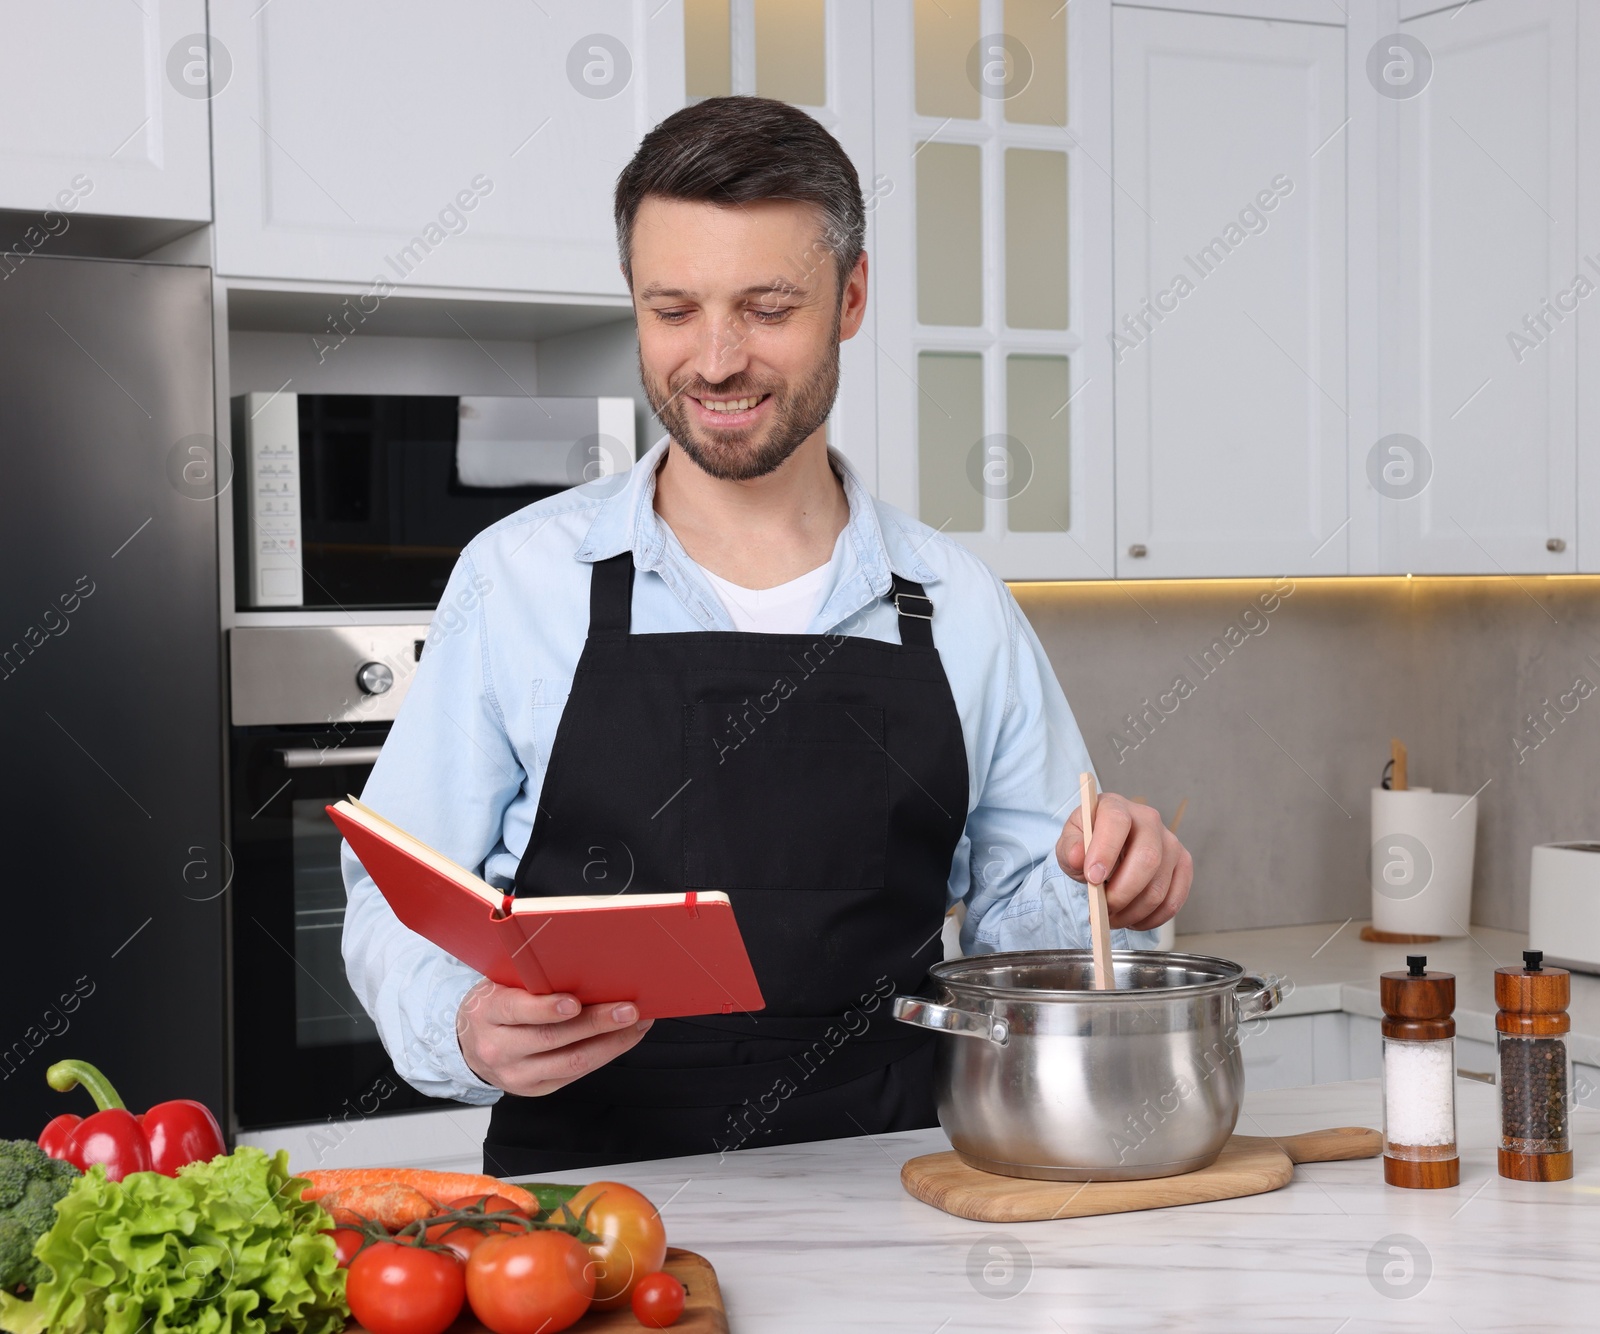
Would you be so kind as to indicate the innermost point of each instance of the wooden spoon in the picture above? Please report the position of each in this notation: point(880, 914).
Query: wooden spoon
point(1099, 916)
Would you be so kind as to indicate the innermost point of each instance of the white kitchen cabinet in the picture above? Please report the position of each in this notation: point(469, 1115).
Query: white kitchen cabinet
point(1277, 1053)
point(1230, 307)
point(1304, 1049)
point(1487, 234)
point(991, 213)
point(105, 113)
point(1365, 1046)
point(469, 146)
point(1588, 369)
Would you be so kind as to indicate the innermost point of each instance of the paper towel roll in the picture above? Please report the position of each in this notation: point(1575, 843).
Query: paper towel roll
point(1421, 861)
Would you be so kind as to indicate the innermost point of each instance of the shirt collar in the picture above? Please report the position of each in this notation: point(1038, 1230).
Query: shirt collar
point(626, 519)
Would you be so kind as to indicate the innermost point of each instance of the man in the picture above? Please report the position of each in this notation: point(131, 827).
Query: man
point(732, 669)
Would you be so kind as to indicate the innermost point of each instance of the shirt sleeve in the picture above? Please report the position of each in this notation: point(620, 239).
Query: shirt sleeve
point(446, 774)
point(1018, 897)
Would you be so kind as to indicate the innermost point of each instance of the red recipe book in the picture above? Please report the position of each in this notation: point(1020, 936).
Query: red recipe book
point(671, 954)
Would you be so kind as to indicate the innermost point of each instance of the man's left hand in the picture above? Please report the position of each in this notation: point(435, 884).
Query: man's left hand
point(1146, 871)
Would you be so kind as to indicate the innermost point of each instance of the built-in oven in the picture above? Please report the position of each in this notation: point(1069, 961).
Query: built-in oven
point(364, 501)
point(347, 506)
point(311, 706)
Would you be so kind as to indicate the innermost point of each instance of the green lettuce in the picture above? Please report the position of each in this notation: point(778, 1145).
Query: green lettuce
point(225, 1247)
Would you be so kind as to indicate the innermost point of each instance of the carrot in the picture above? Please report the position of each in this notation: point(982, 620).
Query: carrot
point(391, 1204)
point(439, 1187)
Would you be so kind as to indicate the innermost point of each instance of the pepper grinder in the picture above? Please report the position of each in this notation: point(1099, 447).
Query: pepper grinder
point(1419, 1077)
point(1535, 1069)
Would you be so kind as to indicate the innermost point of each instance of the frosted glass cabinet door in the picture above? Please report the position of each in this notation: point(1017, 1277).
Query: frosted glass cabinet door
point(1230, 295)
point(1490, 245)
point(104, 109)
point(992, 277)
point(458, 146)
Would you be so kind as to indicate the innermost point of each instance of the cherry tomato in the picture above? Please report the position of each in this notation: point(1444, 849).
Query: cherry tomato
point(395, 1289)
point(461, 1238)
point(633, 1239)
point(658, 1300)
point(535, 1283)
point(346, 1241)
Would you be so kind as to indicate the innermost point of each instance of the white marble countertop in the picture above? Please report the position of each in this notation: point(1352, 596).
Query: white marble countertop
point(821, 1236)
point(1332, 968)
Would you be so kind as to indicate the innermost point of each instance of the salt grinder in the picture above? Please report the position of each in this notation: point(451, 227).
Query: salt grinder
point(1419, 1077)
point(1535, 1069)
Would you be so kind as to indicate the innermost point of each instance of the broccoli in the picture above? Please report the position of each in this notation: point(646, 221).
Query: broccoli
point(30, 1184)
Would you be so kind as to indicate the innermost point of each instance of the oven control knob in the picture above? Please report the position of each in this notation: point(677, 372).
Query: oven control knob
point(374, 678)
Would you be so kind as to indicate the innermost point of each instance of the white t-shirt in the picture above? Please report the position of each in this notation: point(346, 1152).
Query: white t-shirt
point(786, 609)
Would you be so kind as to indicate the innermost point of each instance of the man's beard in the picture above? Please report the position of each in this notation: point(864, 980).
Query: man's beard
point(731, 456)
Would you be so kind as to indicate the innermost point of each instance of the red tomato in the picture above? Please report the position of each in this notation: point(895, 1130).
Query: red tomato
point(461, 1238)
point(346, 1241)
point(536, 1283)
point(633, 1239)
point(490, 1204)
point(395, 1289)
point(658, 1300)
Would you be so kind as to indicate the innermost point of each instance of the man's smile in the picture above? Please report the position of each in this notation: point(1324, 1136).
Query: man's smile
point(726, 411)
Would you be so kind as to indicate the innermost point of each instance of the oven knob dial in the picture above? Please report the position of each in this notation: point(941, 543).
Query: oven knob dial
point(374, 678)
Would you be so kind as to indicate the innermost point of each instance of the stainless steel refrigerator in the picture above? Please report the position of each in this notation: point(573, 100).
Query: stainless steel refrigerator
point(113, 876)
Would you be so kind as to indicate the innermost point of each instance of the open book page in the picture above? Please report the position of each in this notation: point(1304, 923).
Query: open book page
point(422, 852)
point(533, 904)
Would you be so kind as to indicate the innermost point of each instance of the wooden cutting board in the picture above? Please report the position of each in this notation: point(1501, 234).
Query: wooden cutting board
point(1248, 1166)
point(702, 1310)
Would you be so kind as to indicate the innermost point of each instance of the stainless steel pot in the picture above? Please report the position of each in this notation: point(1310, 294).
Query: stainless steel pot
point(1039, 1075)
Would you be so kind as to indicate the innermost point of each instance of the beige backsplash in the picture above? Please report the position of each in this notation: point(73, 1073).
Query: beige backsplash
point(1284, 722)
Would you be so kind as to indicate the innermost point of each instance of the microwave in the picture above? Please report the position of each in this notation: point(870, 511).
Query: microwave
point(364, 501)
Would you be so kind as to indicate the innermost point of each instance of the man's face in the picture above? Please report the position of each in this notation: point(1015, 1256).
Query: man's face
point(739, 325)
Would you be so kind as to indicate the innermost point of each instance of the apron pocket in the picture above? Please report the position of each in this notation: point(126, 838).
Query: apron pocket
point(795, 798)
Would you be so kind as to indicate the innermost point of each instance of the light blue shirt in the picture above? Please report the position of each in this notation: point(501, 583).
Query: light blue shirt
point(463, 766)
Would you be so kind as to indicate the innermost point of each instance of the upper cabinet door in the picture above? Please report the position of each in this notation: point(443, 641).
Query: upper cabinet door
point(1589, 333)
point(105, 113)
point(458, 146)
point(1482, 388)
point(992, 213)
point(1229, 322)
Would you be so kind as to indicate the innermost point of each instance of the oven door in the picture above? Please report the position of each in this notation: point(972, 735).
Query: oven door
point(304, 1048)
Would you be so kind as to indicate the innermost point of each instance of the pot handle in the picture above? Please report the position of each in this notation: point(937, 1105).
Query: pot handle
point(1258, 995)
point(922, 1013)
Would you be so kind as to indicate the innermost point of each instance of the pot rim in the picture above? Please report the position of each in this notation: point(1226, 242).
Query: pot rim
point(949, 974)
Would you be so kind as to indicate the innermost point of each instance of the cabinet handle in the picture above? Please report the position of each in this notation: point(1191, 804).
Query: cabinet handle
point(1138, 550)
point(1557, 544)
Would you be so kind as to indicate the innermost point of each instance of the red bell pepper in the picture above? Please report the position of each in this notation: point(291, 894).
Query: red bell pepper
point(166, 1137)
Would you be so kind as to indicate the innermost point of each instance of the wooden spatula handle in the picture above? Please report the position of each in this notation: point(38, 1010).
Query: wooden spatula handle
point(1331, 1146)
point(1105, 978)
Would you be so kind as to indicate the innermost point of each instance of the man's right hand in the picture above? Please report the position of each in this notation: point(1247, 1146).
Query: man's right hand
point(531, 1045)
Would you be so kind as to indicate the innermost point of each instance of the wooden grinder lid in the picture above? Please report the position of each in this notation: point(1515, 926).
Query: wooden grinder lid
point(1418, 1006)
point(1533, 999)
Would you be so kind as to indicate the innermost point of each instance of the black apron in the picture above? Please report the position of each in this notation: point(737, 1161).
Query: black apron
point(820, 780)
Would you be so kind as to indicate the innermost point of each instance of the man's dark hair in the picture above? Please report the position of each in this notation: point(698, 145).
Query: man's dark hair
point(733, 150)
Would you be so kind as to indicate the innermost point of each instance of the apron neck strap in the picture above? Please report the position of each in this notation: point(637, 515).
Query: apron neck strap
point(611, 601)
point(611, 594)
point(915, 609)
